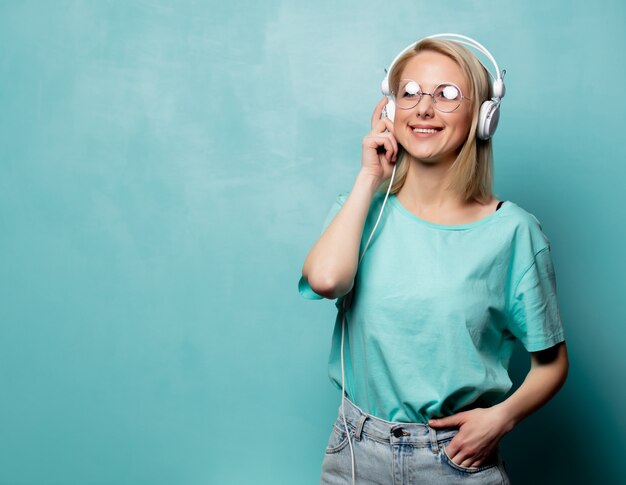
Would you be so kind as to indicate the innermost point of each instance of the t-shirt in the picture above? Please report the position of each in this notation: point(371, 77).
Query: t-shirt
point(436, 310)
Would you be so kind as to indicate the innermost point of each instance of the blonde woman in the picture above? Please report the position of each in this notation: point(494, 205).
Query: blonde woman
point(450, 279)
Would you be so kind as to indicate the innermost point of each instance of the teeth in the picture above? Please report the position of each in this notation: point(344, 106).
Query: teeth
point(424, 130)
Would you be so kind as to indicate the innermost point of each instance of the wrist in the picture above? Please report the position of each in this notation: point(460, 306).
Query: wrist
point(507, 418)
point(367, 180)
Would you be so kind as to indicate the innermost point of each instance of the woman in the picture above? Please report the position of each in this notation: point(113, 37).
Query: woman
point(451, 278)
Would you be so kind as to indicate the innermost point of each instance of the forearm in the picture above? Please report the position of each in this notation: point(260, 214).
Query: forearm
point(331, 264)
point(542, 382)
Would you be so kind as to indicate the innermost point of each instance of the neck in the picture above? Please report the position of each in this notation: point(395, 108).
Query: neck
point(424, 187)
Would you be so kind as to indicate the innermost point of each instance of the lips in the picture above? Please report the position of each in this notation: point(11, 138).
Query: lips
point(422, 131)
point(426, 127)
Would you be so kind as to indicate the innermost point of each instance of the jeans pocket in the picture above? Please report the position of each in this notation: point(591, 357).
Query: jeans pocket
point(338, 439)
point(492, 463)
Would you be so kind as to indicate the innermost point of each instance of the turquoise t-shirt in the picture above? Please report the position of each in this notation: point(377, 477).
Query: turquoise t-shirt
point(436, 310)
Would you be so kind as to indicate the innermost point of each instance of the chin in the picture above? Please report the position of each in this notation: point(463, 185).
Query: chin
point(425, 158)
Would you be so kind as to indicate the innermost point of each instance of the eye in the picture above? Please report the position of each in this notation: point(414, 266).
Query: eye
point(412, 87)
point(409, 89)
point(449, 92)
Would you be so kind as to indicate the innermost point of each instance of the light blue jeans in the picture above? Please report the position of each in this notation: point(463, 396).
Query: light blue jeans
point(389, 453)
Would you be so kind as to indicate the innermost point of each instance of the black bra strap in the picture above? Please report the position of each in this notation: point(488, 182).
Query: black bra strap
point(499, 204)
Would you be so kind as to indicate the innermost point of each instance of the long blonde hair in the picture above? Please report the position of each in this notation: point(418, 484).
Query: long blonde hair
point(471, 177)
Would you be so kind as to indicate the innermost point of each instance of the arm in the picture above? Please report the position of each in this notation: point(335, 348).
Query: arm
point(331, 264)
point(549, 369)
point(481, 429)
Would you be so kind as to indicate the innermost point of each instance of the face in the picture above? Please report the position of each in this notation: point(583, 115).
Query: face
point(430, 69)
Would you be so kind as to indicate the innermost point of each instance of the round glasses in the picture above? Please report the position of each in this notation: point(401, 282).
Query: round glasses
point(446, 97)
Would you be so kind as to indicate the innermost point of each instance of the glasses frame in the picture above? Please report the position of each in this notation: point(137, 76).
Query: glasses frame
point(421, 94)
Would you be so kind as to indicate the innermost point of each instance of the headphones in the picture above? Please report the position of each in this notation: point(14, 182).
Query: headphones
point(489, 111)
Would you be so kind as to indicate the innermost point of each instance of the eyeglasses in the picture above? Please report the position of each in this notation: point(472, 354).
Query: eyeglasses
point(446, 97)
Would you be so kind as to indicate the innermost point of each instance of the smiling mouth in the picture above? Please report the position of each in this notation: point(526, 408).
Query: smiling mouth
point(425, 131)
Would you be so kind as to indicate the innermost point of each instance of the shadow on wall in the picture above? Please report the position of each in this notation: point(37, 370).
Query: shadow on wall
point(560, 446)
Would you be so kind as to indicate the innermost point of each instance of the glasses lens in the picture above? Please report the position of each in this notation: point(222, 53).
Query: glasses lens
point(447, 97)
point(409, 94)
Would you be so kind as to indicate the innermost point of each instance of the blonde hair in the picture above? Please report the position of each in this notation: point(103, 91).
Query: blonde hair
point(471, 176)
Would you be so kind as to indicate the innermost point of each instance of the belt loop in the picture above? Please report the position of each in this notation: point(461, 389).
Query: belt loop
point(433, 440)
point(359, 426)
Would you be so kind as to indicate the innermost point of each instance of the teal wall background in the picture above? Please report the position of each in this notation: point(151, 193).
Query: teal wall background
point(165, 168)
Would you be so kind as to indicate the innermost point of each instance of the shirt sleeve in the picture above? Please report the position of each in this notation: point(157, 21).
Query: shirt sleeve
point(535, 317)
point(303, 285)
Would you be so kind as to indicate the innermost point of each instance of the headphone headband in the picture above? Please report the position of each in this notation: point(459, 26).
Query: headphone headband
point(468, 41)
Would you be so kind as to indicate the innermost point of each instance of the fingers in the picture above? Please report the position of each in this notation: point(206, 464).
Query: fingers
point(378, 110)
point(380, 125)
point(382, 138)
point(390, 146)
point(459, 457)
point(383, 124)
point(391, 138)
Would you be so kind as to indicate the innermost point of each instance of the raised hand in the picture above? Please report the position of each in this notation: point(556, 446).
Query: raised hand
point(379, 147)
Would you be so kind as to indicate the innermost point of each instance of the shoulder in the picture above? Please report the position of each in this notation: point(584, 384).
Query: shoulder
point(525, 227)
point(522, 216)
point(377, 199)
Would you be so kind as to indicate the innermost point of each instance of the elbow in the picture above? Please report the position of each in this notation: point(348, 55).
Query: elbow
point(328, 287)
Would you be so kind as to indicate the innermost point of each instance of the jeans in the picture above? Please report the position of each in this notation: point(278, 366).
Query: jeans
point(391, 453)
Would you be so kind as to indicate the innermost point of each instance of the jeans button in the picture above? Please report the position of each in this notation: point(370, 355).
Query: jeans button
point(398, 432)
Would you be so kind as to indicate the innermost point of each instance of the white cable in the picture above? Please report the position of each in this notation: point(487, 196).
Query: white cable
point(343, 410)
point(381, 213)
point(343, 321)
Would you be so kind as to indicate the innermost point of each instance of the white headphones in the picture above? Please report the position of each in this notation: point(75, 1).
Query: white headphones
point(489, 111)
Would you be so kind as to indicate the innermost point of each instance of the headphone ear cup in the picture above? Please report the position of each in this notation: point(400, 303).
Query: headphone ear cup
point(488, 118)
point(384, 86)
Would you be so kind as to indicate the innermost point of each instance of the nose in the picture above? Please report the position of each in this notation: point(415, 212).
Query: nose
point(424, 106)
